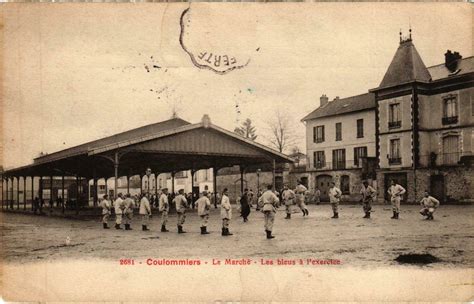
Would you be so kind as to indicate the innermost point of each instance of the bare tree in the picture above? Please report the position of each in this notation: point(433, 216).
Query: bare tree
point(246, 130)
point(282, 131)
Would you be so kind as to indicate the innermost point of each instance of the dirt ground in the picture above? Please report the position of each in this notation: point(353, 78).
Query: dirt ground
point(352, 240)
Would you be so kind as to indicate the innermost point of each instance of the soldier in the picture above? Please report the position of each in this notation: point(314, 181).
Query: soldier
point(181, 205)
point(368, 194)
point(164, 208)
point(334, 198)
point(118, 206)
point(268, 202)
point(245, 205)
point(288, 197)
point(129, 205)
point(105, 204)
point(203, 206)
point(145, 212)
point(429, 204)
point(317, 196)
point(226, 213)
point(395, 191)
point(300, 192)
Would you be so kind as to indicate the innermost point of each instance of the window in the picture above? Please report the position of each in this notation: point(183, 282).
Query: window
point(339, 159)
point(345, 184)
point(394, 119)
point(359, 152)
point(360, 128)
point(318, 134)
point(395, 157)
point(338, 131)
point(319, 159)
point(450, 110)
point(450, 150)
point(181, 174)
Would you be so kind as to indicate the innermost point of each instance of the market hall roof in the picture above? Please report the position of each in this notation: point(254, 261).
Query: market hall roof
point(172, 145)
point(343, 106)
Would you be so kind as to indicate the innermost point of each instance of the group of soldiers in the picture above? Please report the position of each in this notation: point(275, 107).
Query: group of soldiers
point(268, 203)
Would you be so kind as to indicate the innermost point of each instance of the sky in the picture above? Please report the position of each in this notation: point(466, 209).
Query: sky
point(73, 73)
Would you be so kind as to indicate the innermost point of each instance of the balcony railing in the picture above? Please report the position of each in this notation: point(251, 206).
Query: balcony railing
point(394, 160)
point(440, 159)
point(394, 124)
point(449, 120)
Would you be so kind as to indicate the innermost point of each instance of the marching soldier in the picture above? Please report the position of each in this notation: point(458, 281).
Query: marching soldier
point(105, 204)
point(429, 204)
point(181, 205)
point(129, 205)
point(118, 206)
point(395, 191)
point(145, 212)
point(164, 208)
point(368, 194)
point(203, 206)
point(334, 198)
point(288, 197)
point(245, 205)
point(269, 201)
point(226, 213)
point(300, 192)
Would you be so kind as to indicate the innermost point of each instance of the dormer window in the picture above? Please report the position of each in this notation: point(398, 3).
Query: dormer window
point(450, 109)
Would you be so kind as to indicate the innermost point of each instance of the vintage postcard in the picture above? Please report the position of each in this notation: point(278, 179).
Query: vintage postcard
point(237, 152)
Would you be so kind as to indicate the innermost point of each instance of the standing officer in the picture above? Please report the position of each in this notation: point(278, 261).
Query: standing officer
point(368, 194)
point(181, 205)
point(269, 201)
point(118, 206)
point(288, 197)
point(226, 213)
point(145, 211)
point(300, 192)
point(245, 205)
point(129, 204)
point(105, 204)
point(164, 208)
point(334, 198)
point(203, 206)
point(395, 191)
point(429, 204)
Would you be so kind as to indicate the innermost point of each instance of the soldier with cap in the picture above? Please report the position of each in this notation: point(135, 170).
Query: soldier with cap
point(181, 206)
point(164, 208)
point(118, 207)
point(334, 198)
point(396, 192)
point(226, 213)
point(269, 202)
point(145, 211)
point(129, 205)
point(245, 205)
point(288, 197)
point(105, 204)
point(203, 206)
point(368, 194)
point(300, 192)
point(429, 204)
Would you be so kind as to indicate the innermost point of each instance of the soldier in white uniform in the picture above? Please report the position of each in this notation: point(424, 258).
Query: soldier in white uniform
point(396, 192)
point(118, 207)
point(203, 206)
point(105, 204)
point(226, 213)
point(288, 197)
point(269, 202)
point(429, 205)
point(145, 211)
point(164, 208)
point(334, 198)
point(300, 192)
point(181, 206)
point(368, 194)
point(129, 204)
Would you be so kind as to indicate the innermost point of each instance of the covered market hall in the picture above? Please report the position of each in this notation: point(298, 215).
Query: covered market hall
point(169, 146)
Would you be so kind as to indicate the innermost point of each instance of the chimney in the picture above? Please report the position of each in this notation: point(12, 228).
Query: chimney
point(451, 60)
point(323, 100)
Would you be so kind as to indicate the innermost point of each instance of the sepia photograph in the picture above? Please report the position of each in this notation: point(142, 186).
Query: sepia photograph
point(237, 152)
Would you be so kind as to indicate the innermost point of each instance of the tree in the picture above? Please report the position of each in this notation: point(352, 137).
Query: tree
point(282, 134)
point(246, 130)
